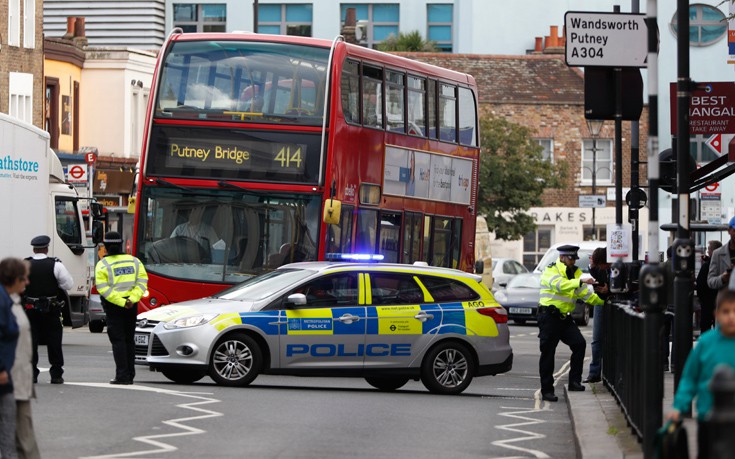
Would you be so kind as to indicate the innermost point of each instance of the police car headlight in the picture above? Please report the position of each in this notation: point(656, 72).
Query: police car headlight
point(189, 321)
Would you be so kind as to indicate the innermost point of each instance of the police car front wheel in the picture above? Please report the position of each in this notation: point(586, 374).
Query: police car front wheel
point(386, 383)
point(235, 361)
point(448, 368)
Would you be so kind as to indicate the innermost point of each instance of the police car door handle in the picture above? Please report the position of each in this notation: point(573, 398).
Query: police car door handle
point(423, 317)
point(348, 318)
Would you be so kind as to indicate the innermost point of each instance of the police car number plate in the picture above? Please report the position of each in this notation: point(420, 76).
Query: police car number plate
point(141, 340)
point(519, 310)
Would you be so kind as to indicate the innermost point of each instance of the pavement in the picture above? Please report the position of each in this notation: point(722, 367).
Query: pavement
point(601, 430)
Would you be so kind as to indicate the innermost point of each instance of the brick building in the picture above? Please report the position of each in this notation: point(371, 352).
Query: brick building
point(541, 92)
point(21, 64)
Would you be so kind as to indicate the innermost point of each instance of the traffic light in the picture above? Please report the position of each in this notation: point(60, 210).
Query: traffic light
point(667, 169)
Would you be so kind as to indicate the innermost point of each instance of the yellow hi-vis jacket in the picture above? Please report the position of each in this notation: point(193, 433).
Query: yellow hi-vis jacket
point(561, 292)
point(120, 277)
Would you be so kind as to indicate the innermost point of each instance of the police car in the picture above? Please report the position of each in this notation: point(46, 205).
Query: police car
point(387, 323)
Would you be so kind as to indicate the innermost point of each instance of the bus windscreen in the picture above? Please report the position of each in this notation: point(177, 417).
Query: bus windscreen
point(251, 82)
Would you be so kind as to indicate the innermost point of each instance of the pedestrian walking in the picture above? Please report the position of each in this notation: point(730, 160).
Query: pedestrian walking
point(121, 281)
point(13, 280)
point(561, 287)
point(600, 271)
point(22, 376)
point(714, 348)
point(44, 299)
point(723, 260)
point(706, 295)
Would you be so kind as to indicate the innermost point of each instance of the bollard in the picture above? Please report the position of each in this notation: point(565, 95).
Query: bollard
point(722, 417)
point(652, 297)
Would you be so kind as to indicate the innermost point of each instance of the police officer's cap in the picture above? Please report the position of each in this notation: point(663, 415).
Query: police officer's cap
point(568, 251)
point(113, 237)
point(40, 242)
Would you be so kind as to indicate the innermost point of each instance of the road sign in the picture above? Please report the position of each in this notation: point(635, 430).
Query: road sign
point(711, 108)
point(712, 187)
point(592, 200)
point(605, 39)
point(77, 173)
point(91, 158)
point(718, 143)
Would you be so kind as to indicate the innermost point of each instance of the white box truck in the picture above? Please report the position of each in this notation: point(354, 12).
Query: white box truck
point(37, 200)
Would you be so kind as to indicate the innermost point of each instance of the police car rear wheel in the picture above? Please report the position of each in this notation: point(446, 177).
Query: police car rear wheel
point(447, 369)
point(386, 383)
point(184, 376)
point(235, 361)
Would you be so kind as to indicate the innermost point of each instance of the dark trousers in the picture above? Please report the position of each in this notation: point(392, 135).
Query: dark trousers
point(121, 331)
point(47, 327)
point(552, 329)
point(707, 315)
point(666, 338)
point(703, 440)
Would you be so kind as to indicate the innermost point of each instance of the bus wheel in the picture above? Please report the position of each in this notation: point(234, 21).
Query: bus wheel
point(235, 361)
point(447, 369)
point(386, 384)
point(184, 376)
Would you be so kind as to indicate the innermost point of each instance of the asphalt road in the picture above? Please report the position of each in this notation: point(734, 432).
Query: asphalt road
point(291, 417)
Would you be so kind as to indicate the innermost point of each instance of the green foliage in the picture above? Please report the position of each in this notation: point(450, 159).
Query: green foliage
point(408, 42)
point(513, 175)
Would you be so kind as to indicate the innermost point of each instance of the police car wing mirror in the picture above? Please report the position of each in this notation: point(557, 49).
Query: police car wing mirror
point(479, 267)
point(295, 300)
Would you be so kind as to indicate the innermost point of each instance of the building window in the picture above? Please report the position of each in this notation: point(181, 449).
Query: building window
point(21, 96)
point(29, 24)
point(285, 19)
point(535, 245)
point(439, 25)
point(51, 111)
point(192, 17)
point(601, 231)
point(381, 20)
point(548, 153)
point(14, 23)
point(707, 25)
point(603, 162)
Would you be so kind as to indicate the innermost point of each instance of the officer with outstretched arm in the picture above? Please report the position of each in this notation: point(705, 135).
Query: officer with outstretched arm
point(561, 286)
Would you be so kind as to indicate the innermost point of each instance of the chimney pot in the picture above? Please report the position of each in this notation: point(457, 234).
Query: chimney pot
point(70, 20)
point(79, 28)
point(539, 44)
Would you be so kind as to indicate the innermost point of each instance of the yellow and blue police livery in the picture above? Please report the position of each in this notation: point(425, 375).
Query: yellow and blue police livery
point(388, 323)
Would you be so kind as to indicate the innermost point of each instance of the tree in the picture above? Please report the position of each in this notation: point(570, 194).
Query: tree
point(513, 175)
point(412, 42)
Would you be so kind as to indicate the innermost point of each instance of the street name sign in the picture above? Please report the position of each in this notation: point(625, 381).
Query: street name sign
point(605, 39)
point(592, 200)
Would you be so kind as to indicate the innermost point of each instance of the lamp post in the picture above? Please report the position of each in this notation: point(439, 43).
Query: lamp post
point(594, 126)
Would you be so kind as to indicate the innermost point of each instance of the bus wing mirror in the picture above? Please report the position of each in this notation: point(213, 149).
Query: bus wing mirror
point(479, 267)
point(97, 209)
point(332, 211)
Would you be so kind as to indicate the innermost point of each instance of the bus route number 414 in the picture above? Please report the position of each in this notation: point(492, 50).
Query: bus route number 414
point(289, 159)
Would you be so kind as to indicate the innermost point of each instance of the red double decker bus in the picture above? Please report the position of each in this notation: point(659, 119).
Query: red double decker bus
point(263, 150)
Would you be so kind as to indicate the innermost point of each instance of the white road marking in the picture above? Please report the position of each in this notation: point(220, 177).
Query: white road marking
point(557, 376)
point(526, 435)
point(153, 440)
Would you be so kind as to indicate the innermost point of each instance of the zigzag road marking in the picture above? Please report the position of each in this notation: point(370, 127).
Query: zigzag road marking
point(154, 440)
point(527, 435)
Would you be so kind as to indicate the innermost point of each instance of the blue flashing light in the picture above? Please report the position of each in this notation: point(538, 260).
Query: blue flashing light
point(354, 256)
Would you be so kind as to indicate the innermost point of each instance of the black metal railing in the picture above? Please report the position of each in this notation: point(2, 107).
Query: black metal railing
point(622, 357)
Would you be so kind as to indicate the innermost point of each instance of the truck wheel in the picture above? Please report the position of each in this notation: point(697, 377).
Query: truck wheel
point(447, 369)
point(235, 361)
point(386, 384)
point(96, 326)
point(184, 376)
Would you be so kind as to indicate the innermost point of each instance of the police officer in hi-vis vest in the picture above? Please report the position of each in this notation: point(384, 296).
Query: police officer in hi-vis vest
point(43, 302)
point(121, 281)
point(561, 286)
